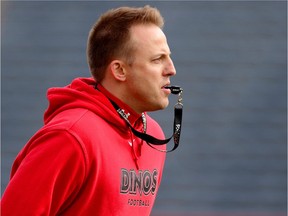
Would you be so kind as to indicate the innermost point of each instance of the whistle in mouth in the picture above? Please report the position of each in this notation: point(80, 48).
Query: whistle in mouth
point(174, 89)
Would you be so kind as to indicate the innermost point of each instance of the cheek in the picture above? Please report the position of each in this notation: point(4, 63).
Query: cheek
point(145, 81)
point(144, 93)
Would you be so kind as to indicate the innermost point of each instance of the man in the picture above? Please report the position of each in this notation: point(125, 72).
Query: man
point(85, 160)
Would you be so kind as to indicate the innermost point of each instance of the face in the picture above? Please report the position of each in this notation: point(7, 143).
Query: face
point(150, 71)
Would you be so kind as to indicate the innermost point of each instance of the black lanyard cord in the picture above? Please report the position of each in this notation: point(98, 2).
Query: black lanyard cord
point(178, 109)
point(150, 140)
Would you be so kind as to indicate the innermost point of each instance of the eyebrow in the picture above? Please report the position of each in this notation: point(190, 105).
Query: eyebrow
point(163, 53)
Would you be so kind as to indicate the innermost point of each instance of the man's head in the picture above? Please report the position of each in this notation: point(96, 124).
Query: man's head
point(129, 55)
point(109, 38)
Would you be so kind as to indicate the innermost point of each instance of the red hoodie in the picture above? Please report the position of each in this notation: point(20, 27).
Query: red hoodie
point(85, 160)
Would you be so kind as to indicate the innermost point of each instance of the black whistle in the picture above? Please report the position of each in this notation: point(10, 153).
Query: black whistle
point(174, 89)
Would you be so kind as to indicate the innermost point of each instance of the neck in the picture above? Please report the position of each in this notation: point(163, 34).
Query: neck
point(132, 114)
point(119, 91)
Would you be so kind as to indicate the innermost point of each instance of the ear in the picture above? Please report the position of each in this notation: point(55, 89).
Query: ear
point(118, 70)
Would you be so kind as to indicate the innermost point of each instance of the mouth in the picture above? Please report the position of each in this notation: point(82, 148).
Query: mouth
point(165, 86)
point(166, 89)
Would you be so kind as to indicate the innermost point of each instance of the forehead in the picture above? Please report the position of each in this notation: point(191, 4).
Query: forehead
point(149, 36)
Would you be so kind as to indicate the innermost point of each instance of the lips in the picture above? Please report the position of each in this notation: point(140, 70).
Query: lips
point(164, 87)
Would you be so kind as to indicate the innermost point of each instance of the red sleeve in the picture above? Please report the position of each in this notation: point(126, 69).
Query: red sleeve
point(46, 176)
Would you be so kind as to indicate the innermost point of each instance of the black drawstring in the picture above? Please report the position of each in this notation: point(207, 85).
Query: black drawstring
point(150, 140)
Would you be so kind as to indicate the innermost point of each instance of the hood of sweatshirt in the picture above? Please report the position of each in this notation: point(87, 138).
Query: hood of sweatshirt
point(81, 93)
point(86, 93)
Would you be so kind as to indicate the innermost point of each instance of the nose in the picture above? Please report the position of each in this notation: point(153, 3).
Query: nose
point(170, 69)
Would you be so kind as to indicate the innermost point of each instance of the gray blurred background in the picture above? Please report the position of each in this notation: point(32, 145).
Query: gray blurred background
point(231, 60)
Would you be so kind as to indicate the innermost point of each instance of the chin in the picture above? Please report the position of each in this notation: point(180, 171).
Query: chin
point(159, 106)
point(164, 104)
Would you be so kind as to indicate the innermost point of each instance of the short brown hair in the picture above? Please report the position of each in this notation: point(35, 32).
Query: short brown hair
point(109, 37)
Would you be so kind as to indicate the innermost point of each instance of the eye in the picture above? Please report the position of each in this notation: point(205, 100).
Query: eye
point(158, 60)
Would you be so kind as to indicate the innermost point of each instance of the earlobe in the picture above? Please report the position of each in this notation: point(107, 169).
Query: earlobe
point(118, 70)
